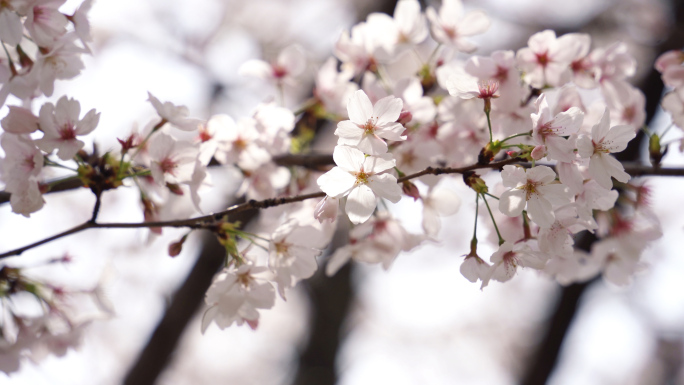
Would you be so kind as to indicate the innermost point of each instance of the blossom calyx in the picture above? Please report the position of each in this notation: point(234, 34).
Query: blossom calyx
point(472, 180)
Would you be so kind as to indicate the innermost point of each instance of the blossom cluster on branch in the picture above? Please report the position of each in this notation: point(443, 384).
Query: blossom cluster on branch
point(408, 106)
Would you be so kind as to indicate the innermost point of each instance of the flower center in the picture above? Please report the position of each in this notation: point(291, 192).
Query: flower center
point(67, 132)
point(369, 127)
point(167, 165)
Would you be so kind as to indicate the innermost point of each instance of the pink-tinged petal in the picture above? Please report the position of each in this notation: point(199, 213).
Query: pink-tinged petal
point(293, 59)
point(617, 138)
point(481, 67)
point(88, 123)
point(67, 111)
point(600, 130)
point(387, 110)
point(540, 211)
point(570, 176)
point(372, 145)
point(512, 202)
point(385, 186)
point(598, 171)
point(11, 28)
point(560, 148)
point(541, 41)
point(541, 174)
point(615, 168)
point(513, 176)
point(463, 86)
point(359, 108)
point(568, 122)
point(431, 222)
point(391, 131)
point(336, 182)
point(349, 130)
point(348, 158)
point(474, 23)
point(20, 120)
point(378, 164)
point(556, 193)
point(585, 148)
point(361, 203)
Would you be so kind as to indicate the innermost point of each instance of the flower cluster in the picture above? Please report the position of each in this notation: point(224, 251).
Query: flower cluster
point(405, 113)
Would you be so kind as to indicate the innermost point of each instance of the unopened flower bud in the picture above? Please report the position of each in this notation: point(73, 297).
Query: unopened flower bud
point(405, 117)
point(655, 150)
point(538, 152)
point(474, 181)
point(175, 188)
point(411, 190)
point(175, 248)
point(327, 209)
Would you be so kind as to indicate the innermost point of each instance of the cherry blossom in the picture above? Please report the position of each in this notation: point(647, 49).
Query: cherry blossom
point(534, 188)
point(289, 65)
point(546, 60)
point(235, 296)
point(61, 126)
point(176, 115)
point(368, 124)
point(44, 21)
point(359, 178)
point(171, 161)
point(292, 253)
point(449, 28)
point(509, 256)
point(549, 132)
point(604, 141)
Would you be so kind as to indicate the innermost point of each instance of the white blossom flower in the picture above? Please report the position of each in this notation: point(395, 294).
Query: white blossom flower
point(61, 125)
point(535, 188)
point(449, 28)
point(236, 295)
point(604, 141)
point(290, 64)
point(550, 132)
point(292, 253)
point(546, 60)
point(44, 22)
point(359, 178)
point(176, 115)
point(171, 161)
point(368, 124)
point(509, 256)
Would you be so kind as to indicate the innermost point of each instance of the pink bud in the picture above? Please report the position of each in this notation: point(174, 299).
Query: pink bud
point(405, 117)
point(538, 152)
point(411, 190)
point(326, 209)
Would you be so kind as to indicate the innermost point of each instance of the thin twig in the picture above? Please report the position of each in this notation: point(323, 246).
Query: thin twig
point(206, 220)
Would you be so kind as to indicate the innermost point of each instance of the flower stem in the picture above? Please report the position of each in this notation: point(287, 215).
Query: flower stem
point(501, 240)
point(517, 135)
point(489, 121)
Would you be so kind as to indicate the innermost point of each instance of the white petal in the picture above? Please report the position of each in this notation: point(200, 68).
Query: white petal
point(359, 108)
point(361, 203)
point(512, 202)
point(336, 182)
point(385, 186)
point(387, 110)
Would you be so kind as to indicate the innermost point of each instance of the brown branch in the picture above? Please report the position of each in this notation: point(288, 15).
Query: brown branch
point(207, 220)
